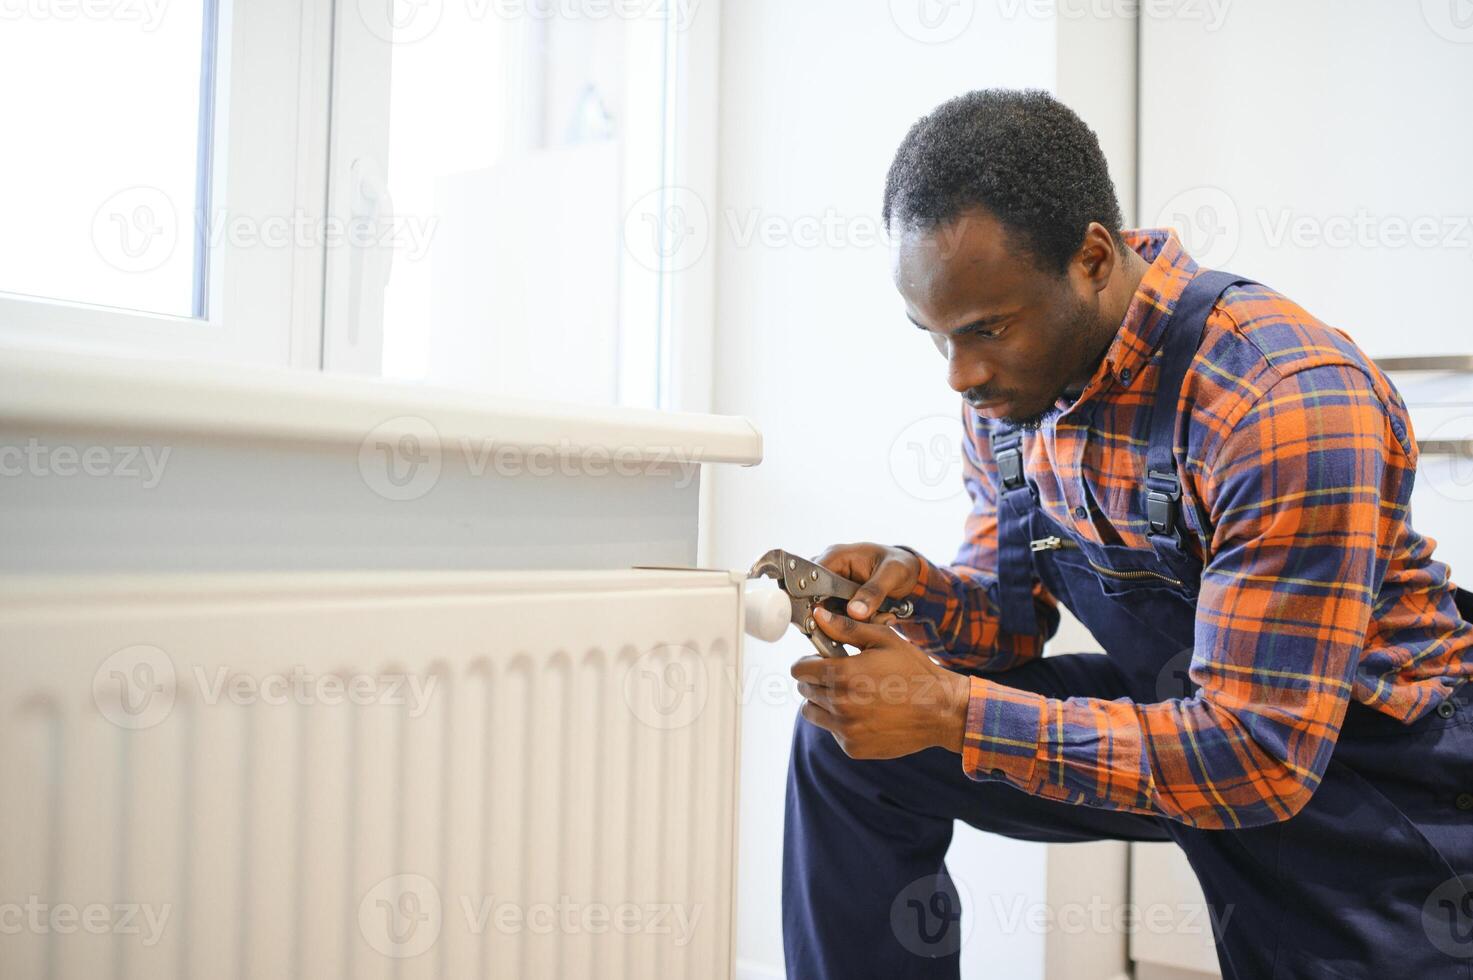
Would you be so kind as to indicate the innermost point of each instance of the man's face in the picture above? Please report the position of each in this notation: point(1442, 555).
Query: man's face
point(1015, 335)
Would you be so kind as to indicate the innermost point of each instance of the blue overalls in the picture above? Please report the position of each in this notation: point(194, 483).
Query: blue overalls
point(1372, 878)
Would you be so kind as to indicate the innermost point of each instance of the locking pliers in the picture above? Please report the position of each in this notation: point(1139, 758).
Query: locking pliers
point(808, 586)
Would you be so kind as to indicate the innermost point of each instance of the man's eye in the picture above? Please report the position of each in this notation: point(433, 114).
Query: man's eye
point(991, 334)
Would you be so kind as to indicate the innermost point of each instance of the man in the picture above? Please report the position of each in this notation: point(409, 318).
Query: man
point(1216, 484)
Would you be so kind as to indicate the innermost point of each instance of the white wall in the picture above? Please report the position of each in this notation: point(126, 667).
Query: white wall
point(812, 345)
point(1324, 153)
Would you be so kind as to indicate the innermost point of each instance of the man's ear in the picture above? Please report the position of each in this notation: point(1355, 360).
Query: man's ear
point(1097, 256)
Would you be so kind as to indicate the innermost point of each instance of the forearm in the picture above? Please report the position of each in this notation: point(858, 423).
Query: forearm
point(960, 607)
point(1191, 760)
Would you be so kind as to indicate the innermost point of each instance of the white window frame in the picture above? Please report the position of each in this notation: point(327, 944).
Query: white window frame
point(667, 316)
point(285, 143)
point(267, 159)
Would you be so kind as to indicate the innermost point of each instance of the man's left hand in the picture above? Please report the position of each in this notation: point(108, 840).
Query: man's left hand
point(887, 700)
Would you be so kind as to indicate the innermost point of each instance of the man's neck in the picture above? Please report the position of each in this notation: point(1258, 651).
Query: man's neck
point(1115, 304)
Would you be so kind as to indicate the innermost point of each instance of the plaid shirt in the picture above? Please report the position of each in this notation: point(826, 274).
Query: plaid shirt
point(1315, 590)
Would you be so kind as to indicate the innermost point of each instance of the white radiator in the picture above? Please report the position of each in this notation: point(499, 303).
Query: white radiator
point(370, 775)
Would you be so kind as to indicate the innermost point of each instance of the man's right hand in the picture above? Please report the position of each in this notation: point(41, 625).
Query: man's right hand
point(884, 572)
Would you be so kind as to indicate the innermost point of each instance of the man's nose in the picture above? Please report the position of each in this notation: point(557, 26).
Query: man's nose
point(964, 374)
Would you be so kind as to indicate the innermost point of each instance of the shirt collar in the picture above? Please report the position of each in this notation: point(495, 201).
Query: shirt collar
point(1150, 308)
point(1154, 300)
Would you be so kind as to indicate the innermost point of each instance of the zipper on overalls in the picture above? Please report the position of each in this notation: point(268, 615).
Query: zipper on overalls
point(1055, 543)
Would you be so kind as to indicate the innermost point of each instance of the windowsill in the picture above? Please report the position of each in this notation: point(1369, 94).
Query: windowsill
point(248, 402)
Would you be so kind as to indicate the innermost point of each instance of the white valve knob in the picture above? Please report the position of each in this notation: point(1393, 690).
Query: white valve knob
point(767, 610)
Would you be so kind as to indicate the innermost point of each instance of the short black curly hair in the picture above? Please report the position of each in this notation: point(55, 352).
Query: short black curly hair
point(1019, 154)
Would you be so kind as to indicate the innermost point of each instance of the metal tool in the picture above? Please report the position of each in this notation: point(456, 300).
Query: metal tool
point(808, 586)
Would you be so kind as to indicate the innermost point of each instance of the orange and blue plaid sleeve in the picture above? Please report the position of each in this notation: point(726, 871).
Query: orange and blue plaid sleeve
point(956, 610)
point(1300, 540)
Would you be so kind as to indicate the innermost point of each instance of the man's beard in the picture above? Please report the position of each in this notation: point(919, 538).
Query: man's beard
point(1085, 328)
point(1034, 422)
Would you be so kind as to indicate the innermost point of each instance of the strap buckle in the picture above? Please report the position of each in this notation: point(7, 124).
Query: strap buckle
point(1007, 450)
point(1163, 502)
point(1010, 465)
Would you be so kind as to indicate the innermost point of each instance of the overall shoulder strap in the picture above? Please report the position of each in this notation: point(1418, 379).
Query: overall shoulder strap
point(1182, 335)
point(1016, 614)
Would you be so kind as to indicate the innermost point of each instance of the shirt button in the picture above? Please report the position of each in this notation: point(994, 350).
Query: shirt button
point(1080, 513)
point(1125, 376)
point(1446, 709)
point(1465, 801)
point(1000, 774)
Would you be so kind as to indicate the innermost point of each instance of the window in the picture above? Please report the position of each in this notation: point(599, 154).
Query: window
point(153, 153)
point(516, 246)
point(476, 193)
point(107, 127)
